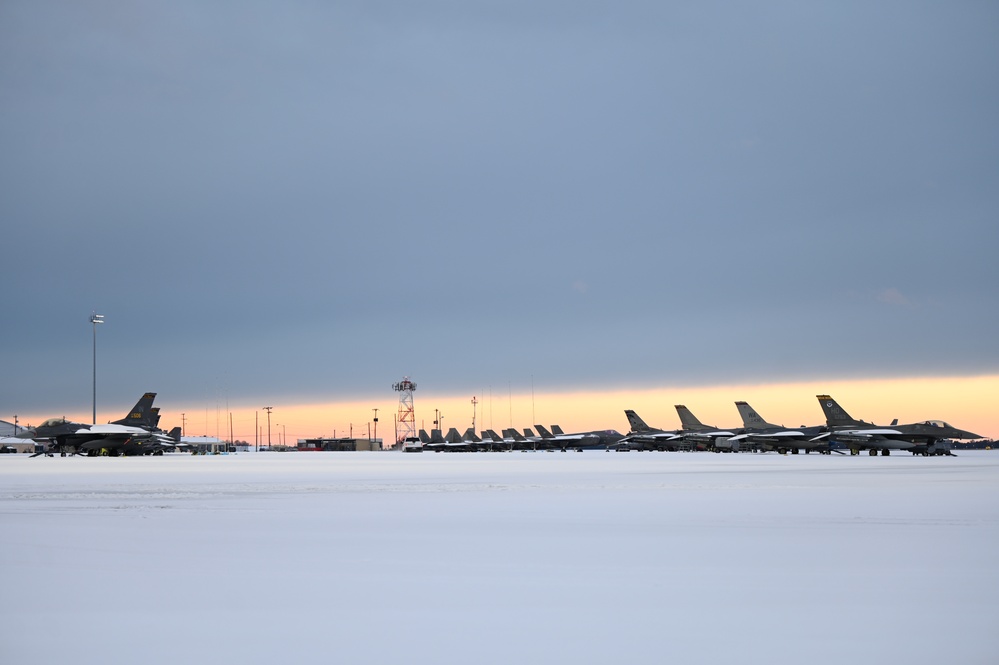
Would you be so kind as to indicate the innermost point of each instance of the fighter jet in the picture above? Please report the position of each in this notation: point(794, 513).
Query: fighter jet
point(642, 437)
point(705, 437)
point(135, 434)
point(434, 441)
point(761, 434)
point(930, 437)
point(525, 441)
point(467, 442)
point(498, 442)
point(557, 439)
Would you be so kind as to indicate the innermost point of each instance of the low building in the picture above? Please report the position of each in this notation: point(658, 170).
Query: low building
point(205, 444)
point(9, 444)
point(343, 443)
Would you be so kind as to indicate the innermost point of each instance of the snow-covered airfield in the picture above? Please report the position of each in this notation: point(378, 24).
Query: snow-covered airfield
point(588, 557)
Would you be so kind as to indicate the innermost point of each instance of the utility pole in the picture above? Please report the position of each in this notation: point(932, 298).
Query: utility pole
point(95, 318)
point(376, 422)
point(268, 410)
point(474, 402)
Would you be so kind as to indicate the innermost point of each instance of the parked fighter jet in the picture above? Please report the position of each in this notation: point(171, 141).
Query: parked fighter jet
point(705, 437)
point(498, 442)
point(562, 441)
point(930, 437)
point(761, 434)
point(467, 442)
point(135, 434)
point(643, 437)
point(525, 441)
point(434, 441)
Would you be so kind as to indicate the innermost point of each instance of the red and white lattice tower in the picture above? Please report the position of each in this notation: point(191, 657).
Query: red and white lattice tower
point(406, 421)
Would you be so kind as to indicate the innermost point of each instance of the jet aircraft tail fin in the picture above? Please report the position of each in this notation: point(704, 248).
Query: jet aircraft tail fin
point(750, 418)
point(688, 420)
point(469, 435)
point(424, 437)
point(557, 431)
point(513, 434)
point(175, 434)
point(635, 422)
point(142, 414)
point(836, 416)
point(545, 434)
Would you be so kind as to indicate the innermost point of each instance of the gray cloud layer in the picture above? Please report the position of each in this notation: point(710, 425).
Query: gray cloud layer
point(314, 199)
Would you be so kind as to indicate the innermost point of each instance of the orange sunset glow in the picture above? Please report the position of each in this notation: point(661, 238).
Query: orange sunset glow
point(966, 402)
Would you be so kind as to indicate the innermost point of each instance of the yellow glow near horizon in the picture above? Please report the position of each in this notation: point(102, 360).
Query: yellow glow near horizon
point(965, 402)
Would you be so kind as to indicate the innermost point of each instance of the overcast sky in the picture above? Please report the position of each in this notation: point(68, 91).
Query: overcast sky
point(311, 200)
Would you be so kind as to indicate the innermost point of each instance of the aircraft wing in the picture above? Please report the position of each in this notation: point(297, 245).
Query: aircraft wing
point(112, 429)
point(869, 432)
point(784, 434)
point(586, 440)
point(708, 435)
point(574, 438)
point(654, 436)
point(875, 438)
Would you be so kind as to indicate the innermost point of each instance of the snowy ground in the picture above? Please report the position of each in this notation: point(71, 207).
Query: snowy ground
point(500, 558)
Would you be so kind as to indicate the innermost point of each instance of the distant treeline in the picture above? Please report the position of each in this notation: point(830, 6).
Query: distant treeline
point(981, 444)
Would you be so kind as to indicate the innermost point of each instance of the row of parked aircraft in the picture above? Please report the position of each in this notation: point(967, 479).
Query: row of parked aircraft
point(138, 433)
point(511, 439)
point(839, 434)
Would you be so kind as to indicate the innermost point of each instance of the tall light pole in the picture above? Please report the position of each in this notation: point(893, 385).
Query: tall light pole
point(268, 410)
point(95, 318)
